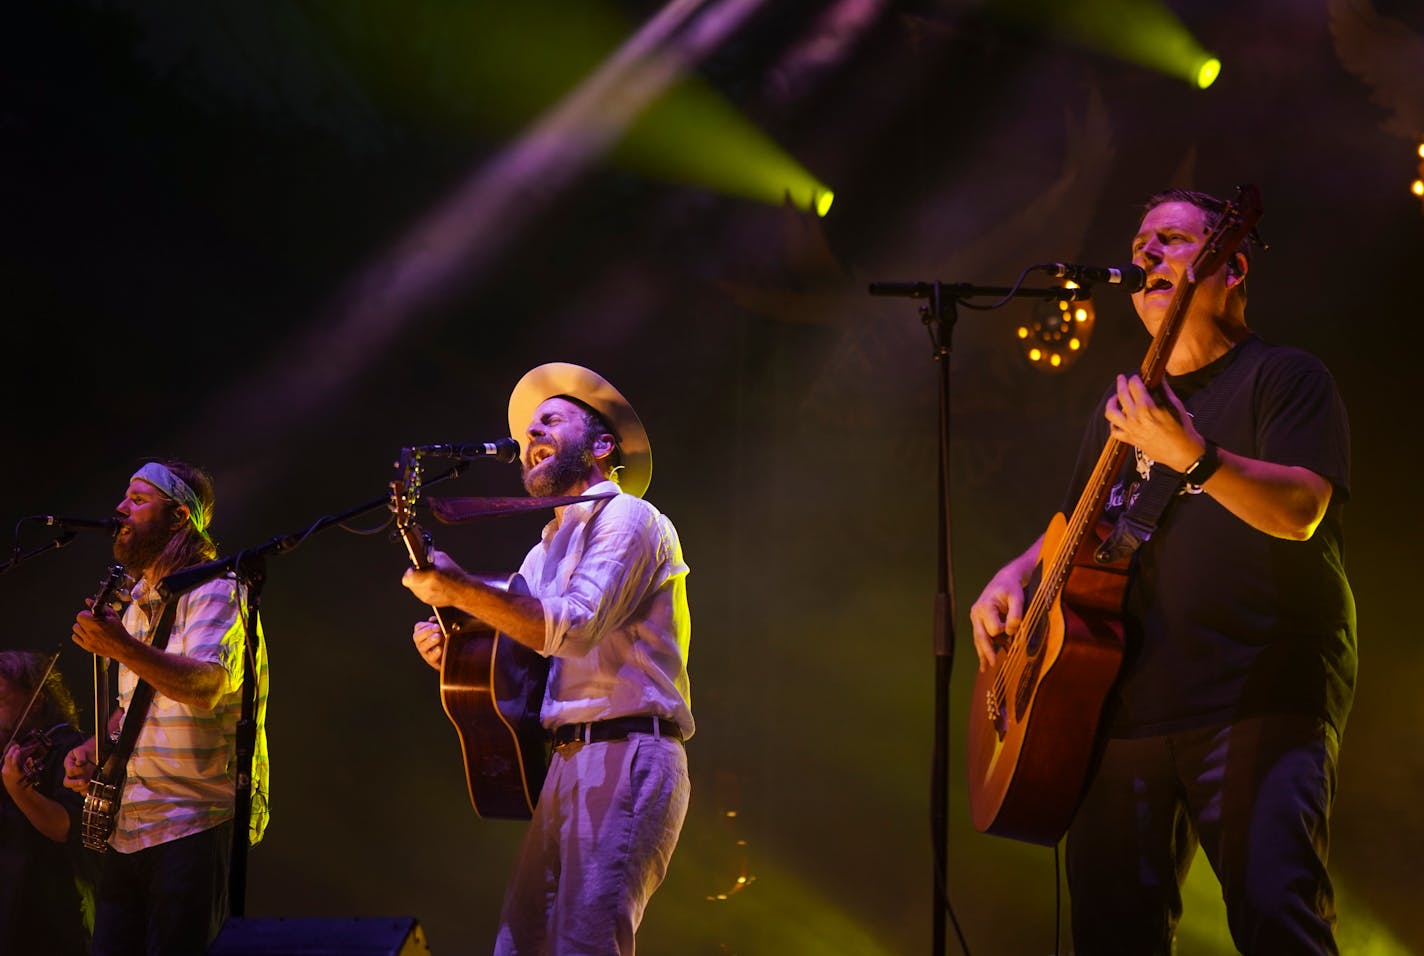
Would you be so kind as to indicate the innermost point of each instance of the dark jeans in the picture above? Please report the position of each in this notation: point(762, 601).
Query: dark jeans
point(167, 900)
point(1255, 794)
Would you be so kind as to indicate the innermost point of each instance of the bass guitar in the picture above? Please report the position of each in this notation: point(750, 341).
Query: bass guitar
point(1033, 716)
point(101, 797)
point(491, 686)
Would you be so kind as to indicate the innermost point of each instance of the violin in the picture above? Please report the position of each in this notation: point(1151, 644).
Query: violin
point(35, 746)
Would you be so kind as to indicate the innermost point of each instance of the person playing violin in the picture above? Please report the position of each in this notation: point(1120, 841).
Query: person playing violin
point(44, 888)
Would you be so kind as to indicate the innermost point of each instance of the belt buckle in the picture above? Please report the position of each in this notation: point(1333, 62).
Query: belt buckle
point(570, 747)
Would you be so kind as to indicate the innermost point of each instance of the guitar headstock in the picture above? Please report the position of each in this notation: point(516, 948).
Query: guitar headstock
point(405, 495)
point(113, 593)
point(1232, 228)
point(405, 488)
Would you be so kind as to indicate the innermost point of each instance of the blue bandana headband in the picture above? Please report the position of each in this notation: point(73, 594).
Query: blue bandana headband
point(176, 488)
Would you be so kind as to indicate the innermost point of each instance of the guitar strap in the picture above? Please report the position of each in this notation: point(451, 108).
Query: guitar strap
point(138, 704)
point(1140, 518)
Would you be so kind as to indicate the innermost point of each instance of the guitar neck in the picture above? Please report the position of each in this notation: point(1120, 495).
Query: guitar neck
point(417, 547)
point(101, 708)
point(1095, 494)
point(1154, 363)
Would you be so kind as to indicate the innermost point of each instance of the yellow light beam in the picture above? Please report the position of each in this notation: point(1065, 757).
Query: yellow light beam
point(461, 236)
point(1145, 32)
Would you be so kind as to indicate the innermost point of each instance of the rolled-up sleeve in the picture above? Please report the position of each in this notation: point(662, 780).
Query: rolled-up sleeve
point(211, 629)
point(618, 563)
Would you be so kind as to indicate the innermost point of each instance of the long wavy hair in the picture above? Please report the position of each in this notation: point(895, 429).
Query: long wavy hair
point(188, 546)
point(23, 670)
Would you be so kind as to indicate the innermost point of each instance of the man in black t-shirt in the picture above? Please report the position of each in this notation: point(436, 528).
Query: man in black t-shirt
point(1223, 727)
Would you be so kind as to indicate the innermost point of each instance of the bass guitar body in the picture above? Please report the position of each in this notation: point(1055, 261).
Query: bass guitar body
point(1034, 714)
point(492, 688)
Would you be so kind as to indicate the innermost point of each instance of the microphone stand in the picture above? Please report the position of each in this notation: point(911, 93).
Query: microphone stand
point(17, 558)
point(250, 569)
point(939, 314)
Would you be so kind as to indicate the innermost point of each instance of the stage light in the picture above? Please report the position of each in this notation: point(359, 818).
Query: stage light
point(693, 136)
point(1208, 72)
point(1057, 333)
point(1145, 32)
point(1417, 187)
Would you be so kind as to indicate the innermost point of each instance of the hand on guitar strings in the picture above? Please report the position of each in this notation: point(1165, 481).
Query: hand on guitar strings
point(1162, 432)
point(79, 766)
point(998, 611)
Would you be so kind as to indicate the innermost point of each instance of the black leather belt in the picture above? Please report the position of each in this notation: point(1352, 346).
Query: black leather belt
point(617, 728)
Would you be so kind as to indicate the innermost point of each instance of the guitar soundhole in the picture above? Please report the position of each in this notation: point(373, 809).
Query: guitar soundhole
point(1034, 638)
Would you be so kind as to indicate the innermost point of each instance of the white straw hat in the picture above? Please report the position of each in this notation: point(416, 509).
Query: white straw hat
point(574, 381)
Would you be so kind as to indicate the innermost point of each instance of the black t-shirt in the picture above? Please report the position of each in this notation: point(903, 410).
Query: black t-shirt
point(1223, 621)
point(40, 880)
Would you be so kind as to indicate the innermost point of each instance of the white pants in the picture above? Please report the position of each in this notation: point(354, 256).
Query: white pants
point(603, 833)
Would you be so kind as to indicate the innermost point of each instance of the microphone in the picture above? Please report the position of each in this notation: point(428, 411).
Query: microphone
point(911, 290)
point(111, 525)
point(1130, 277)
point(501, 449)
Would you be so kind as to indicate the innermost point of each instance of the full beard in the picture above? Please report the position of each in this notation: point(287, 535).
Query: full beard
point(139, 550)
point(558, 474)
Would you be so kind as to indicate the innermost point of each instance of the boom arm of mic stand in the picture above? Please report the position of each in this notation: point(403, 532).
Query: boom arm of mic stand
point(181, 582)
point(19, 558)
point(964, 290)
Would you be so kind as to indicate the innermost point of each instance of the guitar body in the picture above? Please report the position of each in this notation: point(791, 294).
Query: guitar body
point(492, 688)
point(1033, 718)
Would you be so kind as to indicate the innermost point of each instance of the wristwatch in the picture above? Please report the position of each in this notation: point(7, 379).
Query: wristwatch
point(1204, 467)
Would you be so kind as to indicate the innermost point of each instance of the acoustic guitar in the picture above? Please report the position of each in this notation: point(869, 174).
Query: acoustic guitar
point(1033, 716)
point(491, 686)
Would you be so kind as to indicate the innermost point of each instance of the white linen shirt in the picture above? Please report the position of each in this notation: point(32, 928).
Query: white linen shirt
point(183, 767)
point(612, 582)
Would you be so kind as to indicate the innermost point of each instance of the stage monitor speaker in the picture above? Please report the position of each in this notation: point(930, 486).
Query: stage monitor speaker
point(366, 936)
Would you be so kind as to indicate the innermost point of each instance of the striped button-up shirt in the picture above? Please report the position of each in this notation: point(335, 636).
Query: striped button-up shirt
point(181, 776)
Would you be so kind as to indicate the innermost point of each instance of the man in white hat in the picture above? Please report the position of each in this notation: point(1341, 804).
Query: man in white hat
point(608, 607)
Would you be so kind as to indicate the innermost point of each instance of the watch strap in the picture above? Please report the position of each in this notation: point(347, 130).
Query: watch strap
point(1204, 467)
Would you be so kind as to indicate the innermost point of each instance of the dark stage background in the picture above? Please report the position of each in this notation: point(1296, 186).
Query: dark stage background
point(208, 212)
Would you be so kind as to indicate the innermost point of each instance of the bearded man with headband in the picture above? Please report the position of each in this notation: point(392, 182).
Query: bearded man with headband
point(163, 883)
point(608, 607)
